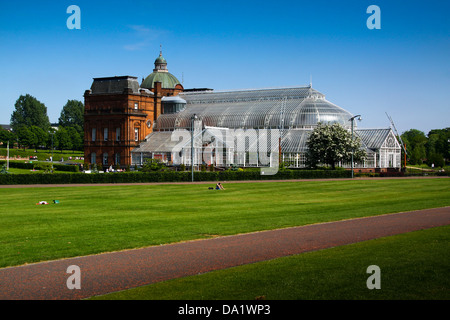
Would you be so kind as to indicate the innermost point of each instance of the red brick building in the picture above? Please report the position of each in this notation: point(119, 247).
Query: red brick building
point(120, 113)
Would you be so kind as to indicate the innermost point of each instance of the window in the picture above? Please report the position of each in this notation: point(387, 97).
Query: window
point(93, 157)
point(94, 133)
point(117, 134)
point(105, 159)
point(136, 106)
point(117, 159)
point(136, 134)
point(105, 134)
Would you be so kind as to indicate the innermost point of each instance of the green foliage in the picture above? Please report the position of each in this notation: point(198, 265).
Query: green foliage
point(41, 154)
point(29, 112)
point(62, 139)
point(433, 148)
point(75, 138)
point(164, 176)
point(26, 137)
point(41, 136)
point(36, 165)
point(439, 142)
point(72, 115)
point(44, 166)
point(152, 165)
point(6, 135)
point(436, 160)
point(330, 144)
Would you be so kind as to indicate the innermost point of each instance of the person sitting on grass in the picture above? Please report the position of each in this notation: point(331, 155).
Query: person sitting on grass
point(219, 186)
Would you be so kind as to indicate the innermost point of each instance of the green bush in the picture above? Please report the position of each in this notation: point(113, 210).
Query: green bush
point(151, 165)
point(167, 176)
point(44, 166)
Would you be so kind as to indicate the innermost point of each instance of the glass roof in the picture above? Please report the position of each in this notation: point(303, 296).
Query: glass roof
point(300, 107)
point(293, 141)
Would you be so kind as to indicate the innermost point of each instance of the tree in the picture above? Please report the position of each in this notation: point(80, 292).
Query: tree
point(29, 112)
point(62, 139)
point(439, 143)
point(415, 145)
point(77, 142)
point(436, 160)
point(330, 144)
point(26, 137)
point(6, 135)
point(41, 136)
point(417, 154)
point(72, 115)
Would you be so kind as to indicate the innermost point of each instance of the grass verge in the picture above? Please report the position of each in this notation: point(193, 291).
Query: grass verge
point(413, 266)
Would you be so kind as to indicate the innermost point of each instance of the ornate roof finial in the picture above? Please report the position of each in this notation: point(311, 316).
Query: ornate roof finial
point(160, 50)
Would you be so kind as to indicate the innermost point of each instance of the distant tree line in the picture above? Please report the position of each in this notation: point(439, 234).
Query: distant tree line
point(432, 149)
point(31, 127)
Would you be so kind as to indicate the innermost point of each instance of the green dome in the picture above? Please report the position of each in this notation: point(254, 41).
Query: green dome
point(160, 59)
point(160, 74)
point(168, 80)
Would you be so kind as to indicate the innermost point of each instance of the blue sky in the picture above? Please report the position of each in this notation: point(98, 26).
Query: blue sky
point(402, 69)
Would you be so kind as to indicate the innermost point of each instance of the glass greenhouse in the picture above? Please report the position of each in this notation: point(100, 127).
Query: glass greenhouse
point(253, 128)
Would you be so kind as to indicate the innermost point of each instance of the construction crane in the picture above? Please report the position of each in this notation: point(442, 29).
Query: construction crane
point(398, 135)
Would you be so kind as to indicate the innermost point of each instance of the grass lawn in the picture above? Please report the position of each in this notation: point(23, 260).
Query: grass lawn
point(30, 171)
point(42, 154)
point(23, 171)
point(413, 266)
point(94, 219)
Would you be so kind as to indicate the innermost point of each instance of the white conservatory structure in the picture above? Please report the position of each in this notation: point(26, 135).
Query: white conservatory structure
point(253, 128)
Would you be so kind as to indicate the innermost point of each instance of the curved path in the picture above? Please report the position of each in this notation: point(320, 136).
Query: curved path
point(108, 272)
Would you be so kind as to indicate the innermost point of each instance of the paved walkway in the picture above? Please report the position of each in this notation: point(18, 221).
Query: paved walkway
point(104, 273)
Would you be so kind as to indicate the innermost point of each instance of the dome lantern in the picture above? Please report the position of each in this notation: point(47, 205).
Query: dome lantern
point(160, 74)
point(160, 64)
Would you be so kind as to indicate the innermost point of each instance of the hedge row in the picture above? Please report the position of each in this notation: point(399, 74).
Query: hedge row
point(168, 176)
point(29, 165)
point(412, 174)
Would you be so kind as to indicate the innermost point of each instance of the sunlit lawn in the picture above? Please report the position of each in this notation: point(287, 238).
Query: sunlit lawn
point(94, 219)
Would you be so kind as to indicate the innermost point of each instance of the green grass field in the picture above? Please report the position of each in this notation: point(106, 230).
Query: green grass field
point(42, 154)
point(94, 219)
